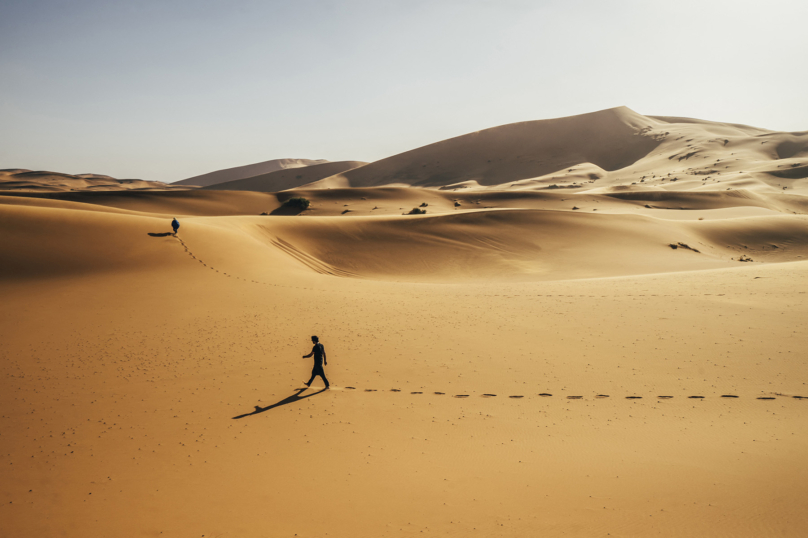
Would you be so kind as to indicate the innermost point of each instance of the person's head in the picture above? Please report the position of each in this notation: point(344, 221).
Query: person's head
point(315, 339)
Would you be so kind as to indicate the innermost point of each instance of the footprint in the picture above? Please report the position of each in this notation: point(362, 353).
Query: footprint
point(395, 390)
point(516, 396)
point(601, 396)
point(370, 390)
point(800, 397)
point(492, 395)
point(351, 388)
point(728, 396)
point(633, 397)
point(700, 397)
point(461, 395)
point(545, 395)
point(440, 393)
point(765, 397)
point(664, 397)
point(574, 397)
point(416, 393)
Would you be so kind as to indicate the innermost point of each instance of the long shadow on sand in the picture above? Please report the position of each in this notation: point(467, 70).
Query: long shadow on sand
point(164, 234)
point(296, 397)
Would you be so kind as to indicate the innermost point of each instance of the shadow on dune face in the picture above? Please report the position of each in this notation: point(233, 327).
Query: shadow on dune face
point(296, 397)
point(287, 211)
point(164, 234)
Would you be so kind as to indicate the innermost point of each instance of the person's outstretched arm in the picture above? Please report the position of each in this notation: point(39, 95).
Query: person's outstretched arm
point(309, 355)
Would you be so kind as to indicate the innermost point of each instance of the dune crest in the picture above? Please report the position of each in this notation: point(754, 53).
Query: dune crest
point(579, 327)
point(611, 150)
point(22, 180)
point(249, 170)
point(287, 178)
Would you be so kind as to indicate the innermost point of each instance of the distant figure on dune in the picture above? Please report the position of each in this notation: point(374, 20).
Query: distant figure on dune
point(319, 359)
point(175, 224)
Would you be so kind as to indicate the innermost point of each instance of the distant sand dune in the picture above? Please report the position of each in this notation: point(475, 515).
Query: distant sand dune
point(250, 170)
point(21, 180)
point(593, 326)
point(281, 180)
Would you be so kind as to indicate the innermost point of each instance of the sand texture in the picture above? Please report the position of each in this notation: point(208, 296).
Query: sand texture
point(624, 358)
point(22, 180)
point(288, 178)
point(600, 151)
point(250, 170)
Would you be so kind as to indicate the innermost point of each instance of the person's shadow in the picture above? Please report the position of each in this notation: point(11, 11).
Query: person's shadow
point(296, 397)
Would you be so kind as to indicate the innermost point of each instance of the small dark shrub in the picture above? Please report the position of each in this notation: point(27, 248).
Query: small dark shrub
point(416, 211)
point(297, 203)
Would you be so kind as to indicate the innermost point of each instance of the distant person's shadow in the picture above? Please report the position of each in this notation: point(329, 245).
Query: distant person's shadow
point(164, 234)
point(296, 397)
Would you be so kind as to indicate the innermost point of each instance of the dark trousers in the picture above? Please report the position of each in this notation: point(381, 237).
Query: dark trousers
point(318, 371)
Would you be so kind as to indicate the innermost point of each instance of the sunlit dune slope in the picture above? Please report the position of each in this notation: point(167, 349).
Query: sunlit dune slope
point(532, 244)
point(611, 150)
point(610, 139)
point(168, 203)
point(249, 170)
point(21, 180)
point(481, 244)
point(289, 178)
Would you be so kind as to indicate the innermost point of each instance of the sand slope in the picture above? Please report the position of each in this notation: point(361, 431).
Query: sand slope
point(21, 180)
point(280, 180)
point(599, 152)
point(163, 396)
point(608, 139)
point(518, 361)
point(249, 170)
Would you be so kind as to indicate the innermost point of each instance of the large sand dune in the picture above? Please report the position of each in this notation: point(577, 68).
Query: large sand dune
point(281, 180)
point(610, 149)
point(249, 170)
point(611, 360)
point(22, 180)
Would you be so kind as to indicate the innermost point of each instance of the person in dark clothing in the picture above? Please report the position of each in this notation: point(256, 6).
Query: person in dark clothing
point(319, 360)
point(175, 224)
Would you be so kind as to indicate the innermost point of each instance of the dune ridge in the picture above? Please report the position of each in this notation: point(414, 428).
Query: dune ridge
point(22, 180)
point(249, 170)
point(281, 180)
point(614, 149)
point(613, 348)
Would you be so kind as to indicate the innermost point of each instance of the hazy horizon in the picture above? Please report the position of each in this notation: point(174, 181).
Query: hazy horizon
point(169, 90)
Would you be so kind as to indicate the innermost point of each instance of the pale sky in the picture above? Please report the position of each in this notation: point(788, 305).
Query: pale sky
point(164, 90)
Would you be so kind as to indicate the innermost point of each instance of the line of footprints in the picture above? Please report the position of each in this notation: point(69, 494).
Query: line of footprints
point(597, 396)
point(517, 396)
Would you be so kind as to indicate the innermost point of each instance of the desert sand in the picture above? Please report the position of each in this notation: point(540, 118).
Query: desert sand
point(287, 178)
point(250, 170)
point(16, 180)
point(575, 346)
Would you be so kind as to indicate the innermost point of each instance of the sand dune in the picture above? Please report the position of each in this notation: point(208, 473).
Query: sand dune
point(615, 148)
point(250, 170)
point(623, 358)
point(280, 180)
point(608, 139)
point(21, 180)
point(166, 203)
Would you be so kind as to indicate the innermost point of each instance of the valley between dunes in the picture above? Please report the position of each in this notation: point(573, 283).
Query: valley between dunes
point(545, 352)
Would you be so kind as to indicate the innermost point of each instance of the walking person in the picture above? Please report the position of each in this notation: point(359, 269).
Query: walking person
point(319, 360)
point(175, 224)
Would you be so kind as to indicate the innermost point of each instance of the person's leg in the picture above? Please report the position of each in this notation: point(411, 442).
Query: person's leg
point(313, 375)
point(322, 374)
